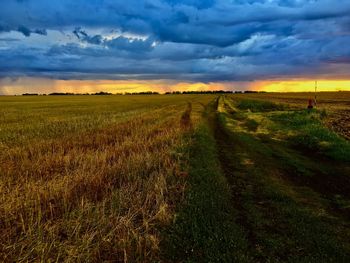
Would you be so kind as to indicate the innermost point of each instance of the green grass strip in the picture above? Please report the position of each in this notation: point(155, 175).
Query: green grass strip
point(205, 229)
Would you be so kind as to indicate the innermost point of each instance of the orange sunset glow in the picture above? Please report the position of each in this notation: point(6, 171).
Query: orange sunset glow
point(44, 86)
point(302, 85)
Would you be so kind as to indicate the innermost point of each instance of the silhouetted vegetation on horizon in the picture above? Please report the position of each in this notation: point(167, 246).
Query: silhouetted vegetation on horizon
point(102, 93)
point(142, 93)
point(63, 94)
point(199, 92)
point(30, 94)
point(145, 93)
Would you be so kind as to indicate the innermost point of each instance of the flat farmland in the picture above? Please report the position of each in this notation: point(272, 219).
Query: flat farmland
point(175, 178)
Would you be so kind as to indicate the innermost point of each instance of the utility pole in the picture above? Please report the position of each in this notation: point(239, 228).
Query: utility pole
point(315, 92)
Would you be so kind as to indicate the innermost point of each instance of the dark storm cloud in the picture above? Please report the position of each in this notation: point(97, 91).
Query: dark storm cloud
point(26, 31)
point(208, 40)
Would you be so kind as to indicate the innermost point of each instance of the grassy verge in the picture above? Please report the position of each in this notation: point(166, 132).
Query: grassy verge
point(310, 133)
point(205, 228)
point(302, 128)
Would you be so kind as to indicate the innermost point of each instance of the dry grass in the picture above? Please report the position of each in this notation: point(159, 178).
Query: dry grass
point(99, 185)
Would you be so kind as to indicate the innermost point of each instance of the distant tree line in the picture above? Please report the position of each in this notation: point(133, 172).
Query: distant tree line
point(142, 93)
point(145, 93)
point(212, 92)
point(70, 94)
point(198, 92)
point(30, 94)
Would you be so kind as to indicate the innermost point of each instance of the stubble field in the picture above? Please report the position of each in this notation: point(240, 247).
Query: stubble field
point(89, 177)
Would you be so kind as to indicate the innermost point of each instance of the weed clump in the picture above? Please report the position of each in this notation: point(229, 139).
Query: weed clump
point(252, 125)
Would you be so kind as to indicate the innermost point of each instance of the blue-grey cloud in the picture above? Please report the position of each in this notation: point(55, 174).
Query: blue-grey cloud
point(83, 36)
point(26, 31)
point(199, 40)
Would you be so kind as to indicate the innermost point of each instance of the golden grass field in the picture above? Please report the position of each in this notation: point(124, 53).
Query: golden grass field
point(98, 178)
point(88, 177)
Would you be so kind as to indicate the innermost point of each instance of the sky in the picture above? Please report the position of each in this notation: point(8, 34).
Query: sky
point(163, 45)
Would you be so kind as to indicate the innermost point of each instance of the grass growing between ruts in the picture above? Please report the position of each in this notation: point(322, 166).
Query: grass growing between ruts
point(206, 229)
point(242, 205)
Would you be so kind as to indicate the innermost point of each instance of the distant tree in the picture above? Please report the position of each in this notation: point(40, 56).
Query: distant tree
point(102, 93)
point(144, 93)
point(61, 94)
point(30, 94)
point(207, 92)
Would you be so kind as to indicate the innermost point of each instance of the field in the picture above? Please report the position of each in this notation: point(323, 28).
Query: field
point(175, 178)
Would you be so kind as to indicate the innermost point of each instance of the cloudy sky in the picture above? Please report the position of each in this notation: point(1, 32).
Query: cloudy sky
point(167, 44)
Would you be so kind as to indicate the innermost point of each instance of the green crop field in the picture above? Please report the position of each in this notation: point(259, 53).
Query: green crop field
point(175, 178)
